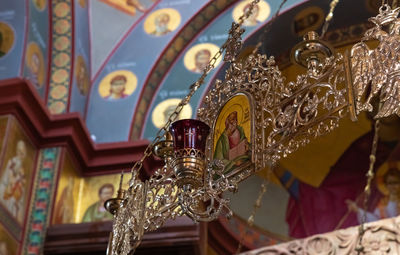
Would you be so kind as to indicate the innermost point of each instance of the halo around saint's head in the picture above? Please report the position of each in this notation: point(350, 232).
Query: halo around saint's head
point(164, 109)
point(197, 57)
point(260, 12)
point(34, 61)
point(381, 174)
point(7, 38)
point(82, 76)
point(39, 4)
point(130, 85)
point(162, 22)
point(83, 3)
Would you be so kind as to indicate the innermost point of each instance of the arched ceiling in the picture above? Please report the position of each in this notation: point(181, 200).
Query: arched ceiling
point(106, 38)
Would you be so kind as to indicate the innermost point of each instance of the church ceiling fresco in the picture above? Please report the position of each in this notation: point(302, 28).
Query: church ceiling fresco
point(132, 60)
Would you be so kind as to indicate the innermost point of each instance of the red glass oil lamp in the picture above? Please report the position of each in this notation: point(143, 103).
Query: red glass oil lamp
point(189, 161)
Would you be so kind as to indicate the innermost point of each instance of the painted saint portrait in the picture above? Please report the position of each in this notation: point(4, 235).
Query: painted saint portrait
point(162, 22)
point(388, 185)
point(82, 76)
point(126, 6)
point(96, 190)
point(66, 205)
point(260, 12)
point(233, 133)
point(96, 211)
point(164, 109)
point(16, 173)
point(83, 3)
point(39, 4)
point(326, 193)
point(34, 65)
point(8, 245)
point(117, 85)
point(198, 57)
point(7, 38)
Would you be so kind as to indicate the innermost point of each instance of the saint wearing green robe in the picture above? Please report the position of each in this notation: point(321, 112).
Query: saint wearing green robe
point(97, 212)
point(232, 146)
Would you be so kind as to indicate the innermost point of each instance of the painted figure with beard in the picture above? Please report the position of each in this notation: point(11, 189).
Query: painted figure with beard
point(13, 182)
point(161, 22)
point(97, 212)
point(201, 60)
point(232, 146)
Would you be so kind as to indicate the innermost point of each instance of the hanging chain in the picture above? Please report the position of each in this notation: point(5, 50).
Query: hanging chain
point(367, 190)
point(269, 26)
point(193, 88)
point(256, 206)
point(329, 17)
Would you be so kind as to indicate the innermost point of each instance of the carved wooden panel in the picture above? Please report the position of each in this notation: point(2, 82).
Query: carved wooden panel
point(381, 237)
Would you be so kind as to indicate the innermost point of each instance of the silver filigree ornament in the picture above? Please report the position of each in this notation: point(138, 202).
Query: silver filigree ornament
point(376, 72)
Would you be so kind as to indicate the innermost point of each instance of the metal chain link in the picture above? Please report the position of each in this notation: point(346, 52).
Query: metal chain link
point(269, 25)
point(329, 17)
point(193, 88)
point(367, 190)
point(256, 206)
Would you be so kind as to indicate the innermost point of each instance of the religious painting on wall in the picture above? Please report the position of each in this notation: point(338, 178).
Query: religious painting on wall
point(162, 22)
point(260, 13)
point(8, 245)
point(4, 120)
point(34, 63)
point(16, 173)
point(97, 190)
point(165, 108)
point(67, 196)
point(118, 85)
point(7, 38)
point(82, 76)
point(197, 57)
point(326, 178)
point(232, 135)
point(39, 4)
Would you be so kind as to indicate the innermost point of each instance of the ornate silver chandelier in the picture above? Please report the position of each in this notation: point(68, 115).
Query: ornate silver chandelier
point(282, 116)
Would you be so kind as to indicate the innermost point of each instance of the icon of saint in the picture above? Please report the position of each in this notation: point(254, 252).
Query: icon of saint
point(201, 60)
point(252, 19)
point(117, 88)
point(64, 210)
point(33, 69)
point(388, 205)
point(161, 22)
point(82, 77)
point(97, 212)
point(13, 181)
point(232, 146)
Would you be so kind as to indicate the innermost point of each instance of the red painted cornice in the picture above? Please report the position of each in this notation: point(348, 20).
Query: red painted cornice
point(19, 98)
